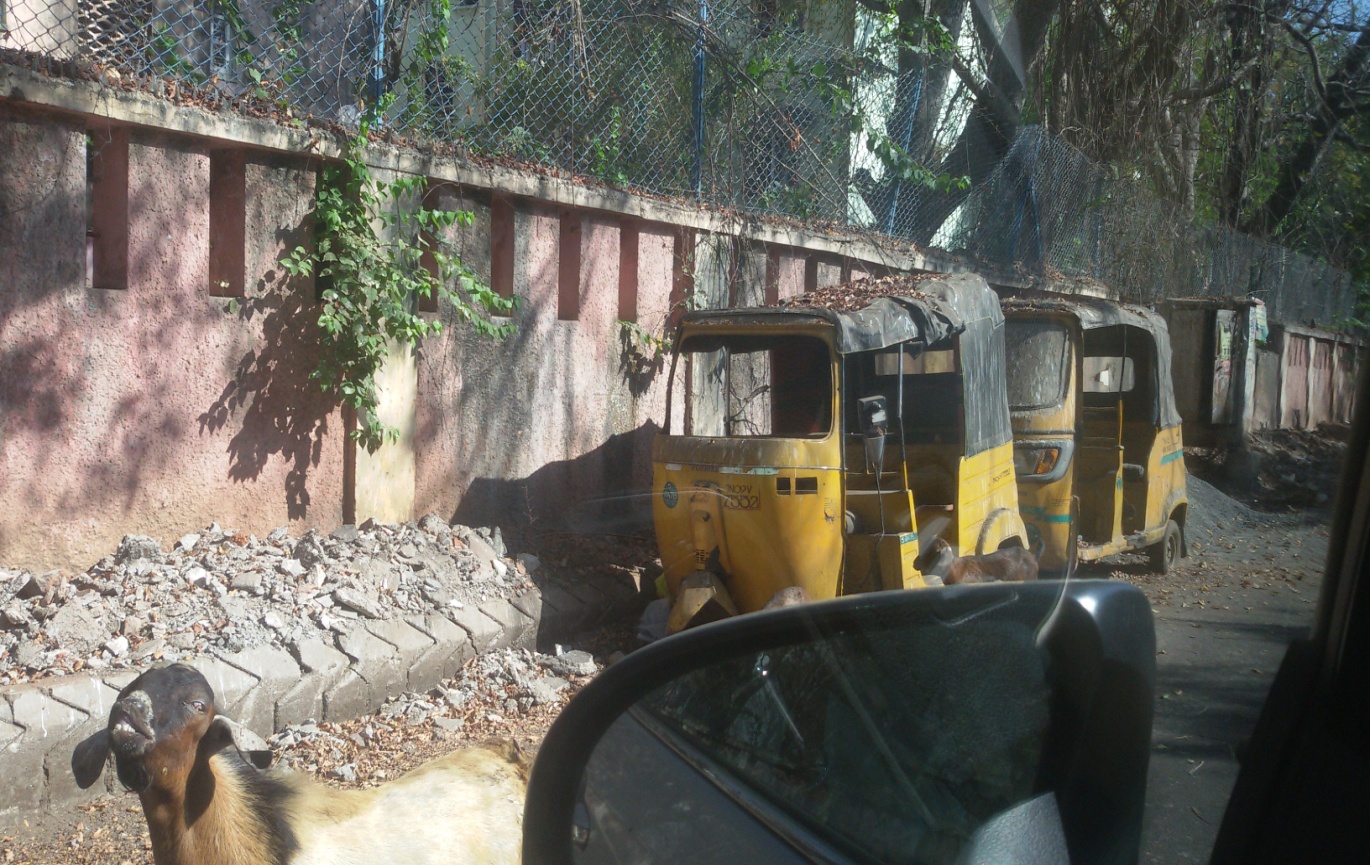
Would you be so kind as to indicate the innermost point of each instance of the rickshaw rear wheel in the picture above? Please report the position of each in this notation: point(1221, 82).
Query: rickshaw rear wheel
point(1165, 553)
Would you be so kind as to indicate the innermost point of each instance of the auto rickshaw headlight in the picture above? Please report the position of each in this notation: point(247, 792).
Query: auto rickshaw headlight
point(1035, 460)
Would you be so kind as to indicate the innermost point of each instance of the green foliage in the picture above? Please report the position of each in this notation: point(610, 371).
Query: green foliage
point(644, 353)
point(369, 254)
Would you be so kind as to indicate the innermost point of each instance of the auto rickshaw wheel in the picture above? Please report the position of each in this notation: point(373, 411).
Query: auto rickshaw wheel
point(1165, 553)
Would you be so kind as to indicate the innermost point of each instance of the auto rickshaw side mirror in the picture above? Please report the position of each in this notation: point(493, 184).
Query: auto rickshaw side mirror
point(874, 417)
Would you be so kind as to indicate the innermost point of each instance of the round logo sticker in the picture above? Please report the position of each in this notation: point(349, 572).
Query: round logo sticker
point(669, 495)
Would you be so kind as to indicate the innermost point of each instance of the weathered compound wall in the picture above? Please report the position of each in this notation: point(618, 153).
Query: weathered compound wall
point(151, 403)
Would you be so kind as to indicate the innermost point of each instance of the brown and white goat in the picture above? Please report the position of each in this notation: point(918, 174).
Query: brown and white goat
point(208, 803)
point(1013, 564)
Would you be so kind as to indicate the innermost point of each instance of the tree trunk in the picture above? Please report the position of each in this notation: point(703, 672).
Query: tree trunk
point(1247, 26)
point(993, 123)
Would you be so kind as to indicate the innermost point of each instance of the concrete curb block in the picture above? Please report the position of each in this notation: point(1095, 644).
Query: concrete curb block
point(266, 688)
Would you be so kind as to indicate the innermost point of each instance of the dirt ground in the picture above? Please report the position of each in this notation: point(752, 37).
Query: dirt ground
point(1222, 617)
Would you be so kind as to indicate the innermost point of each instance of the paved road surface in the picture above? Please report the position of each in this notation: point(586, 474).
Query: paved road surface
point(1223, 621)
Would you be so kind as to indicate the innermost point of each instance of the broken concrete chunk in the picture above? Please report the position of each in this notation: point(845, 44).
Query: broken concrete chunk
point(357, 602)
point(197, 576)
point(435, 526)
point(573, 663)
point(15, 616)
point(292, 567)
point(247, 581)
point(38, 585)
point(547, 689)
point(135, 547)
point(345, 533)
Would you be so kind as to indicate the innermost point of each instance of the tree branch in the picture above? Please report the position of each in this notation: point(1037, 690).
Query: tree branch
point(1218, 85)
point(1345, 137)
point(1309, 48)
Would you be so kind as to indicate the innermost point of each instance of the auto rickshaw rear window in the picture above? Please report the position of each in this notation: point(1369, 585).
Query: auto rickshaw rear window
point(749, 386)
point(1037, 351)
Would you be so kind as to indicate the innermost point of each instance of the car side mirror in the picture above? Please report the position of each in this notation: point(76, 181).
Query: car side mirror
point(1005, 723)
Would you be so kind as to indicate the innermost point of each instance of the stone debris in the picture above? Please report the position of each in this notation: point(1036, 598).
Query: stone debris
point(221, 590)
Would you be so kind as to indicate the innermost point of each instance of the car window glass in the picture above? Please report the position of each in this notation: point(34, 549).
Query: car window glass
point(895, 745)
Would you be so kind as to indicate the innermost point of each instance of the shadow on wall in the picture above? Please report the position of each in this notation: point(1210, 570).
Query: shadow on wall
point(278, 409)
point(592, 494)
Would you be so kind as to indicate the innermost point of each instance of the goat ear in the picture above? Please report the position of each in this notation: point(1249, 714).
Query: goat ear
point(251, 747)
point(88, 760)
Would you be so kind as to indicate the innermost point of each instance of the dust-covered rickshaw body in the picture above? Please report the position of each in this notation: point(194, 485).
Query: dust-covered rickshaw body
point(766, 476)
point(1098, 450)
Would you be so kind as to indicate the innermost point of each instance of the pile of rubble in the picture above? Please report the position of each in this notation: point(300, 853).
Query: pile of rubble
point(1299, 468)
point(225, 590)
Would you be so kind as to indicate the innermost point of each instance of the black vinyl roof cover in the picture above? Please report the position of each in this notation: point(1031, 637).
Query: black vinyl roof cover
point(933, 311)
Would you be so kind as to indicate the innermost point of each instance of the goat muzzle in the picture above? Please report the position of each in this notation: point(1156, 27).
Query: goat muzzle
point(130, 725)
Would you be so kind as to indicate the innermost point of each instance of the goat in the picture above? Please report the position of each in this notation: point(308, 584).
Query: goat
point(1013, 564)
point(208, 803)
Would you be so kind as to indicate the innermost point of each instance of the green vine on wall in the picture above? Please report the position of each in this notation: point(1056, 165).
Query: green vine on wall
point(370, 245)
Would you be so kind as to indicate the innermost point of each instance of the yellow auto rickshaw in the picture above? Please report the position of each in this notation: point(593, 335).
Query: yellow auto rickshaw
point(814, 444)
point(1097, 445)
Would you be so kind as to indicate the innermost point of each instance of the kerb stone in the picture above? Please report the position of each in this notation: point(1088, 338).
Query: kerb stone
point(51, 729)
point(594, 604)
point(41, 716)
point(562, 611)
point(86, 693)
point(231, 686)
point(316, 656)
point(9, 734)
point(323, 667)
point(483, 629)
point(21, 777)
point(516, 629)
point(412, 644)
point(452, 645)
point(276, 672)
point(620, 592)
point(348, 698)
point(530, 604)
point(374, 660)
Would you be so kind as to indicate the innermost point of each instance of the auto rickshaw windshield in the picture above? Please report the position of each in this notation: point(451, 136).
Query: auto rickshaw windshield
point(1037, 351)
point(751, 386)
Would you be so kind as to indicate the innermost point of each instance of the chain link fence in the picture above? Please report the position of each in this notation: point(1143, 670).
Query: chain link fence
point(775, 107)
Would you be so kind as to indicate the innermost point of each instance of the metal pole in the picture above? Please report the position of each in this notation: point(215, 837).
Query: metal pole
point(908, 140)
point(697, 167)
point(377, 88)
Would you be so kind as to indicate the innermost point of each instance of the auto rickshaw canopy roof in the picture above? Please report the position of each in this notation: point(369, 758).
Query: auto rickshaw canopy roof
point(920, 310)
point(871, 314)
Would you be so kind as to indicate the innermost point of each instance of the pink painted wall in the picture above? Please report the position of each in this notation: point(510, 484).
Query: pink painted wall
point(153, 409)
point(541, 428)
point(160, 408)
point(789, 274)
